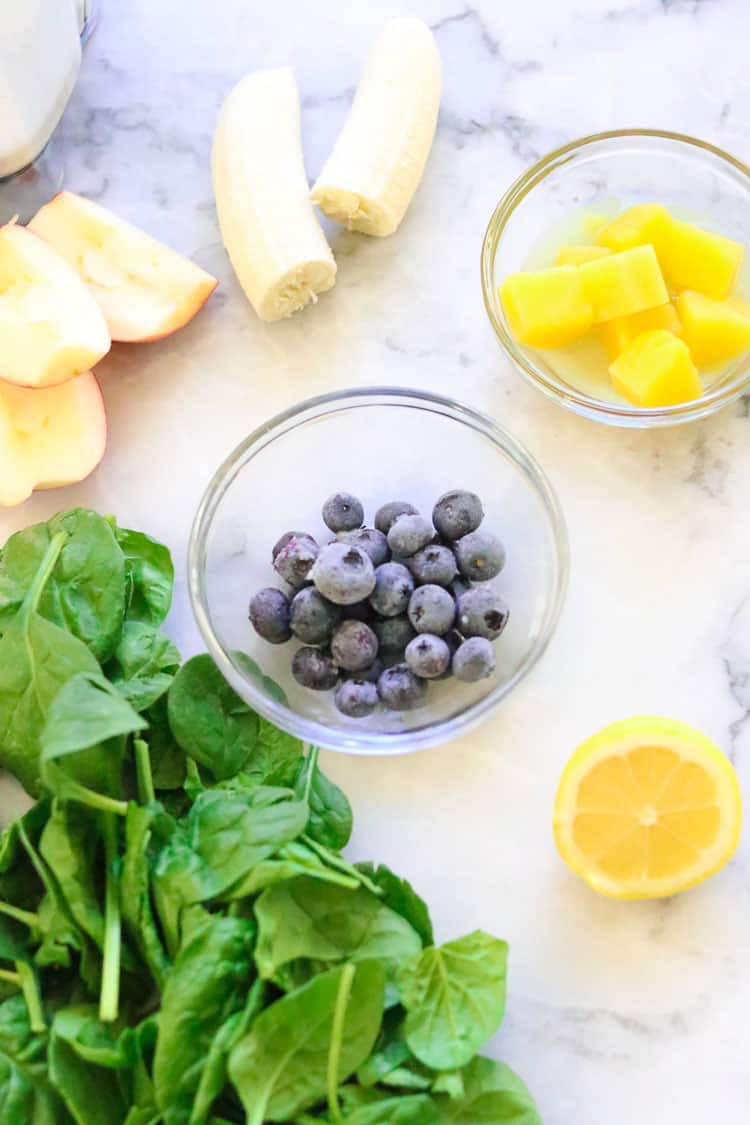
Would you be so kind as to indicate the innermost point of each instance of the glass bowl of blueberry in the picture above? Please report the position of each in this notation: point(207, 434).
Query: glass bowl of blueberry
point(375, 570)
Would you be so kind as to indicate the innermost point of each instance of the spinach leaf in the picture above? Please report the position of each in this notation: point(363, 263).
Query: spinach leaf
point(36, 659)
point(493, 1095)
point(144, 665)
point(400, 896)
point(226, 835)
point(167, 758)
point(83, 744)
point(389, 1053)
point(330, 821)
point(92, 1094)
point(69, 845)
point(86, 712)
point(214, 1076)
point(264, 682)
point(85, 591)
point(209, 720)
point(455, 999)
point(413, 1109)
point(308, 1042)
point(289, 861)
point(97, 1043)
point(26, 1094)
point(135, 896)
point(275, 759)
point(149, 576)
point(207, 984)
point(304, 918)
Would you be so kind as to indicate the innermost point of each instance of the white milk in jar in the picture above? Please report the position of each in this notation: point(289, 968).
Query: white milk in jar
point(40, 53)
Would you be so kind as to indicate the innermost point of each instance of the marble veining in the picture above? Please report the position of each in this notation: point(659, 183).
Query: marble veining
point(617, 1013)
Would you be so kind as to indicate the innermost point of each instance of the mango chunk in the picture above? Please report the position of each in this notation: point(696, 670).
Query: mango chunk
point(698, 259)
point(618, 333)
point(546, 308)
point(656, 369)
point(642, 225)
point(715, 331)
point(624, 283)
point(577, 255)
point(593, 223)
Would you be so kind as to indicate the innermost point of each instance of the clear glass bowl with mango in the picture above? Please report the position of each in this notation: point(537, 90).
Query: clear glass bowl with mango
point(615, 275)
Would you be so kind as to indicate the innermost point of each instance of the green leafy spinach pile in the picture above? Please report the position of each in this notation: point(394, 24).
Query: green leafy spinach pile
point(181, 940)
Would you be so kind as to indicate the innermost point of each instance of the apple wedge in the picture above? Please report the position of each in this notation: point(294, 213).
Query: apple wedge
point(51, 328)
point(145, 289)
point(49, 437)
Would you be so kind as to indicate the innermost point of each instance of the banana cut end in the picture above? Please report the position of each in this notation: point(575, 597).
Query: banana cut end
point(354, 211)
point(298, 287)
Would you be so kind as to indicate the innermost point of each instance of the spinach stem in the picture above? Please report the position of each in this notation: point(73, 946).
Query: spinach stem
point(337, 1034)
point(43, 574)
point(110, 993)
point(10, 977)
point(28, 917)
point(146, 792)
point(340, 864)
point(31, 995)
point(76, 792)
point(311, 765)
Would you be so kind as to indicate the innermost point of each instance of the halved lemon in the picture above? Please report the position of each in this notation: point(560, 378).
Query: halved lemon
point(646, 808)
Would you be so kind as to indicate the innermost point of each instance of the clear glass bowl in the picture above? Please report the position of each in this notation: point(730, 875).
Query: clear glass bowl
point(381, 444)
point(693, 179)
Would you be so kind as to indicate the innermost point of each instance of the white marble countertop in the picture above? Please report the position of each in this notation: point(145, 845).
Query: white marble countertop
point(617, 1013)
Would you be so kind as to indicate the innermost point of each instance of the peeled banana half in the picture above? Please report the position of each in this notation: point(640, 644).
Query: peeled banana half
point(377, 162)
point(268, 225)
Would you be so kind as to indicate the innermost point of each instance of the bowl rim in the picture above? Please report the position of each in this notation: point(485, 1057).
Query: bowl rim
point(610, 413)
point(374, 742)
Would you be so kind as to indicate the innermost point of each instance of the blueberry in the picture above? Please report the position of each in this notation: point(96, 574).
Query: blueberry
point(400, 689)
point(294, 561)
point(286, 537)
point(459, 586)
point(409, 534)
point(344, 574)
point(481, 613)
point(432, 610)
point(372, 542)
point(394, 634)
point(343, 512)
point(480, 556)
point(457, 513)
point(356, 698)
point(314, 669)
point(313, 617)
point(454, 640)
point(428, 656)
point(474, 660)
point(360, 611)
point(434, 564)
point(386, 516)
point(394, 586)
point(269, 614)
point(371, 674)
point(354, 645)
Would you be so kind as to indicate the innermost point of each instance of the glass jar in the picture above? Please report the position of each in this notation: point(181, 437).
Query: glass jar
point(40, 55)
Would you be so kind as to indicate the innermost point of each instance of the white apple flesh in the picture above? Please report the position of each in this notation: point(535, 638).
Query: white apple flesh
point(145, 289)
point(49, 437)
point(51, 328)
